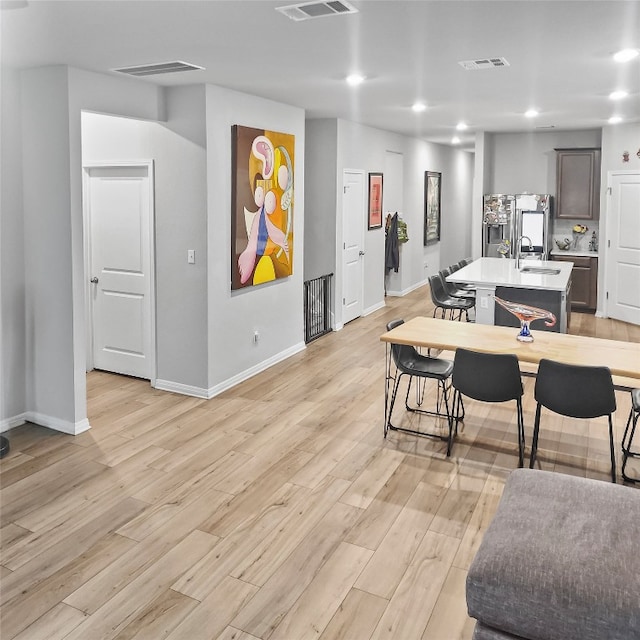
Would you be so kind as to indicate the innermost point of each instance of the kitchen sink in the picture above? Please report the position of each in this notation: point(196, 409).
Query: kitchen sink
point(545, 271)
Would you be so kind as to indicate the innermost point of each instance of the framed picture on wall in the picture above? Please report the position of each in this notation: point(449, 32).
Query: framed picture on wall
point(261, 206)
point(432, 188)
point(374, 218)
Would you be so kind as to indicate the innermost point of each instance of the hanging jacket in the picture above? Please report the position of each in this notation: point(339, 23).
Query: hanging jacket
point(391, 253)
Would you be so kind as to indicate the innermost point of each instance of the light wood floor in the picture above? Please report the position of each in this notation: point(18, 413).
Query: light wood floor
point(274, 511)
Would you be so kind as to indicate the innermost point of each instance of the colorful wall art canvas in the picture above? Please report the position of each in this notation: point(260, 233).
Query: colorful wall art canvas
point(262, 206)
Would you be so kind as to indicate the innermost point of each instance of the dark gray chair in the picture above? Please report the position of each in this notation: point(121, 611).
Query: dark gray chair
point(453, 289)
point(576, 392)
point(629, 433)
point(447, 304)
point(488, 377)
point(409, 362)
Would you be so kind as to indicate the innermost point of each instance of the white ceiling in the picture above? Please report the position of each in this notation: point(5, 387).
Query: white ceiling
point(560, 55)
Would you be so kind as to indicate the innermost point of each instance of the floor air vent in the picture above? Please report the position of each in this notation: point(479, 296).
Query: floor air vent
point(308, 10)
point(158, 68)
point(483, 63)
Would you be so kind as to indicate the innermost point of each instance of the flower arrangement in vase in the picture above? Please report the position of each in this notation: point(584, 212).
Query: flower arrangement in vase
point(578, 233)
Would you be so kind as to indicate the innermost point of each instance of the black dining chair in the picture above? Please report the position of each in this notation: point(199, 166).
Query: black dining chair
point(577, 392)
point(488, 377)
point(629, 433)
point(447, 304)
point(408, 361)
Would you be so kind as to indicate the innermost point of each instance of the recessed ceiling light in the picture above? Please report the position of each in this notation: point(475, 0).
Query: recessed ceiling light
point(618, 95)
point(462, 126)
point(455, 140)
point(355, 79)
point(626, 54)
point(615, 119)
point(531, 113)
point(419, 106)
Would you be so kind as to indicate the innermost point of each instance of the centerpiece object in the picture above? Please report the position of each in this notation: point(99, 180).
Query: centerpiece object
point(526, 314)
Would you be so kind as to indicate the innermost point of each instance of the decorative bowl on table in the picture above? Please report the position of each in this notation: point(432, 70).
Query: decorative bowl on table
point(526, 314)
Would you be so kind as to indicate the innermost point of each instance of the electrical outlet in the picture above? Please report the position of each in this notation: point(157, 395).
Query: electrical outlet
point(484, 303)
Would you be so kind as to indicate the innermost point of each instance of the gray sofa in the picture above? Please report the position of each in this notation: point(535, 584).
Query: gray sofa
point(559, 561)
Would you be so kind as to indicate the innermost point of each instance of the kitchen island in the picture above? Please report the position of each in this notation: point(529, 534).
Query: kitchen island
point(539, 283)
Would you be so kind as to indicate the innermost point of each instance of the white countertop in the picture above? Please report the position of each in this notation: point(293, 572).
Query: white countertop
point(502, 272)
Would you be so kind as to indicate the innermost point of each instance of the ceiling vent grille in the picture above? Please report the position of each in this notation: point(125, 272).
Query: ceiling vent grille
point(308, 10)
point(483, 63)
point(159, 68)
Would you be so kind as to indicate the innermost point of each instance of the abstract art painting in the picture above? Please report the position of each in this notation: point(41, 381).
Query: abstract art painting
point(262, 206)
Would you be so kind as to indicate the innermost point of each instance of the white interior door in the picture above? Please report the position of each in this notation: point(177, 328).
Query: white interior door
point(119, 207)
point(623, 247)
point(353, 220)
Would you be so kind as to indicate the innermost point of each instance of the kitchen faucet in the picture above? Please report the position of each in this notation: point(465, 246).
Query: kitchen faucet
point(518, 248)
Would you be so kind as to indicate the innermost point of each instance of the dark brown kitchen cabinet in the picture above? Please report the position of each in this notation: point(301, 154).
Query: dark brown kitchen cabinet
point(578, 183)
point(584, 282)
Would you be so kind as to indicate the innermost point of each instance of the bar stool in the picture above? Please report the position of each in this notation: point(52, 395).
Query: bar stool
point(441, 300)
point(632, 423)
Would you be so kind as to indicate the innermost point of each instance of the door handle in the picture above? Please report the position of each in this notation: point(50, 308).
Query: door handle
point(360, 253)
point(94, 280)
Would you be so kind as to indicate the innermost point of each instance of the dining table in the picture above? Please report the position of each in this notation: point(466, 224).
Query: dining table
point(622, 358)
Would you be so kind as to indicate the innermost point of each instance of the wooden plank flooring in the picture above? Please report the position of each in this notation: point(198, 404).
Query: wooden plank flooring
point(276, 511)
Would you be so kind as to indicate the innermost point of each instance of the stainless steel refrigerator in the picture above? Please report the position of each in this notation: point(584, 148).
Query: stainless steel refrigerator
point(498, 225)
point(508, 217)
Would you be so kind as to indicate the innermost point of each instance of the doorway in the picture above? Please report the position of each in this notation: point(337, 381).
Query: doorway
point(119, 257)
point(353, 224)
point(622, 254)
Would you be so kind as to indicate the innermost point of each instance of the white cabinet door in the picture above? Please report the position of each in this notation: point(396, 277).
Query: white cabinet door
point(622, 253)
point(353, 211)
point(120, 218)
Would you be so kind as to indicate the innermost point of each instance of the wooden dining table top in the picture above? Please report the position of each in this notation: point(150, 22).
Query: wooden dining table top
point(622, 358)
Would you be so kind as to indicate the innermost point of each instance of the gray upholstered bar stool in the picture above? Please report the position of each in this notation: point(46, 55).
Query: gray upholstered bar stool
point(629, 432)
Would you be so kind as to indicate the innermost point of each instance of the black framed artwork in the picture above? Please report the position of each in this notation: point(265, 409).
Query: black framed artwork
point(432, 193)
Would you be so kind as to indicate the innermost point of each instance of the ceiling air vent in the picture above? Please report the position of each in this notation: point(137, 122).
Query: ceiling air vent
point(158, 68)
point(483, 63)
point(308, 10)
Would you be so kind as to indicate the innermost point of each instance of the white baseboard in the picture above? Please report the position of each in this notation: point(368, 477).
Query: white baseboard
point(64, 426)
point(373, 309)
point(14, 421)
point(404, 292)
point(183, 389)
point(207, 394)
point(258, 368)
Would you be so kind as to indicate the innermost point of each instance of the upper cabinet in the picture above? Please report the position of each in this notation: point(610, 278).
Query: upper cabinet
point(578, 183)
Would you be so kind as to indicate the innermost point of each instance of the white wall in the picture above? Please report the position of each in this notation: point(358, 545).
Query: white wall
point(321, 187)
point(365, 148)
point(615, 140)
point(181, 224)
point(403, 162)
point(177, 148)
point(273, 309)
point(526, 162)
point(48, 247)
point(52, 99)
point(12, 266)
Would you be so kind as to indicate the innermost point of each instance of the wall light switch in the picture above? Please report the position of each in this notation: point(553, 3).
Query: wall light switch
point(191, 256)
